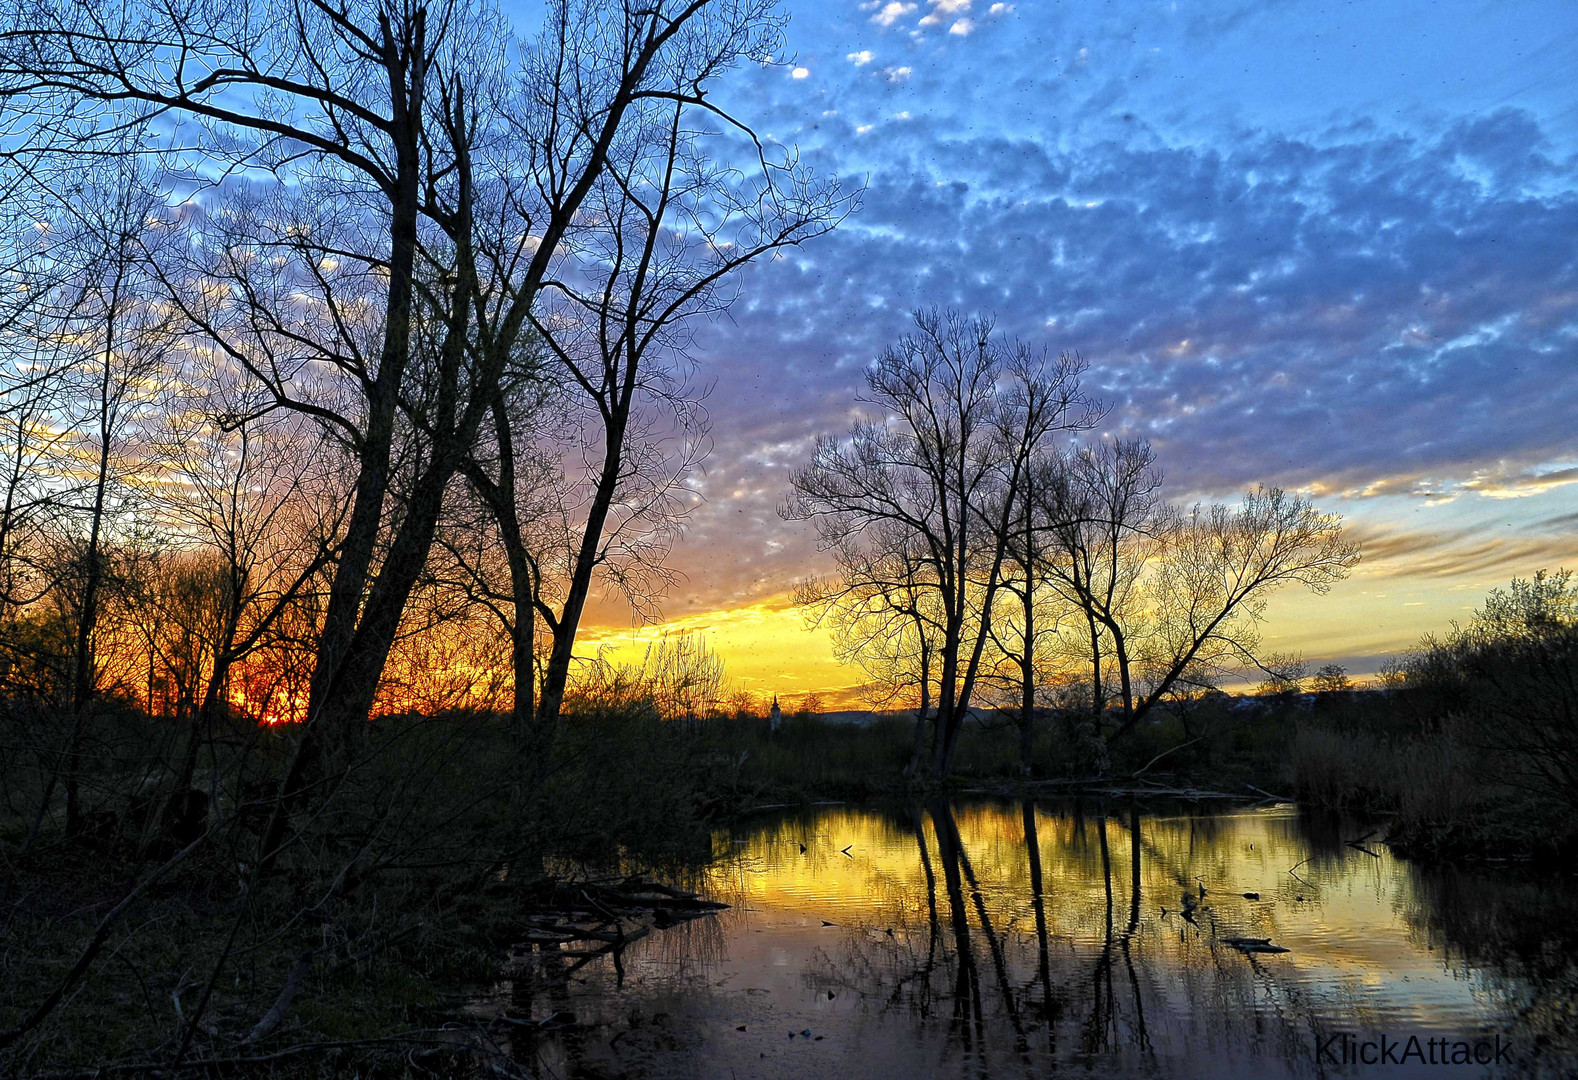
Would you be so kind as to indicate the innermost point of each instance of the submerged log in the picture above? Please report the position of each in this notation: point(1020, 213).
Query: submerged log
point(1254, 945)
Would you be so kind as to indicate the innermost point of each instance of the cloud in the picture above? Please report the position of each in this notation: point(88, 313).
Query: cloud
point(800, 73)
point(1362, 317)
point(1501, 485)
point(961, 28)
point(891, 12)
point(861, 58)
point(1462, 552)
point(1561, 523)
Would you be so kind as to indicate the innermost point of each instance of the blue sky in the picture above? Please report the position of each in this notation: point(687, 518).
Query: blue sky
point(1326, 246)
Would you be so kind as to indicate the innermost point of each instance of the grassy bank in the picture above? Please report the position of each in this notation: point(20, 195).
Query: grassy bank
point(1449, 793)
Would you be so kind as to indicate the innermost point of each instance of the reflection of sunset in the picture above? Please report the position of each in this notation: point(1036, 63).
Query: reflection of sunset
point(939, 942)
point(1348, 934)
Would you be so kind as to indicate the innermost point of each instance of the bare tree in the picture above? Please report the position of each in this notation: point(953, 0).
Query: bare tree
point(115, 340)
point(671, 230)
point(1208, 589)
point(964, 415)
point(260, 495)
point(1102, 511)
point(429, 190)
point(881, 607)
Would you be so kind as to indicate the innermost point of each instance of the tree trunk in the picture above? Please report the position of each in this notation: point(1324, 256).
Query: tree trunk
point(1027, 703)
point(340, 618)
point(587, 556)
point(912, 770)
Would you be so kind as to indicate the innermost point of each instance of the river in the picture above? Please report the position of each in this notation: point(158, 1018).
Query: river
point(1005, 939)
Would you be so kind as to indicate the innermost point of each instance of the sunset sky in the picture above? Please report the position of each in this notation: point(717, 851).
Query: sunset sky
point(1324, 246)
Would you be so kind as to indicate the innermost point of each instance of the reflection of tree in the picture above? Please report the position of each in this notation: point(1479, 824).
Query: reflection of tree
point(1048, 1010)
point(1015, 939)
point(1100, 968)
point(1522, 935)
point(967, 984)
point(943, 816)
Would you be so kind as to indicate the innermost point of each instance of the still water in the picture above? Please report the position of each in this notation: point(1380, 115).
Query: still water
point(1007, 939)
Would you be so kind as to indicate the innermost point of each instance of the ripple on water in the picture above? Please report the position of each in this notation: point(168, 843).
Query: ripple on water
point(986, 938)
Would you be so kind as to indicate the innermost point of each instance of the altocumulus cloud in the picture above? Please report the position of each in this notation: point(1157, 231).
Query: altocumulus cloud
point(1352, 308)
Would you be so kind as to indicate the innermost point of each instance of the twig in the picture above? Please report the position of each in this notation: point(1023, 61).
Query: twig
point(1267, 794)
point(95, 945)
point(276, 1013)
point(1136, 774)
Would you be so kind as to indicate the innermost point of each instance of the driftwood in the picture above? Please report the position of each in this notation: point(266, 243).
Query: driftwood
point(581, 921)
point(1253, 945)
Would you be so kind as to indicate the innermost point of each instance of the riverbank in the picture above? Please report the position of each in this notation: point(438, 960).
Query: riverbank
point(423, 873)
point(1446, 789)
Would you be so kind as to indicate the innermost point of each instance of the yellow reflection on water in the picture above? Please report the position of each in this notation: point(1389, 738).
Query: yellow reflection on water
point(989, 938)
point(1342, 912)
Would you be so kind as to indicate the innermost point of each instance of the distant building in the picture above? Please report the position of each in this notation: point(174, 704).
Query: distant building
point(775, 717)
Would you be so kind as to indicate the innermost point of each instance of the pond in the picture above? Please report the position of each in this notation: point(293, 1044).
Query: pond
point(1005, 939)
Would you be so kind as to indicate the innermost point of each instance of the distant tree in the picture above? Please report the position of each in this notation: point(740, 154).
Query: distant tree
point(810, 705)
point(1284, 676)
point(1331, 679)
point(1511, 677)
point(1207, 591)
point(881, 607)
point(1393, 673)
point(685, 677)
point(1105, 519)
point(744, 705)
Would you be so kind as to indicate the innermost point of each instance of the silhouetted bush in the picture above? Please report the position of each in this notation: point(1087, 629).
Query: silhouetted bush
point(1478, 752)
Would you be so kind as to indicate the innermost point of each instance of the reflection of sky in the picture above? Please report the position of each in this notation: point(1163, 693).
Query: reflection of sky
point(1350, 935)
point(842, 945)
point(1327, 247)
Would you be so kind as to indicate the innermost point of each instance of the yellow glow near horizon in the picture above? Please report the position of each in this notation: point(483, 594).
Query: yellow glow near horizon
point(765, 646)
point(1424, 567)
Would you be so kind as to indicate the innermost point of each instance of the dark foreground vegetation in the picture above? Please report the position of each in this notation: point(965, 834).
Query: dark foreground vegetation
point(156, 941)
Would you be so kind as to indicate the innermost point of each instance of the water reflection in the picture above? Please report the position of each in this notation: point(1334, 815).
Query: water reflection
point(992, 939)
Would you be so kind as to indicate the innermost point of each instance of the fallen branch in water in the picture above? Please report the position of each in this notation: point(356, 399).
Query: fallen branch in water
point(1358, 845)
point(1267, 794)
point(613, 914)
